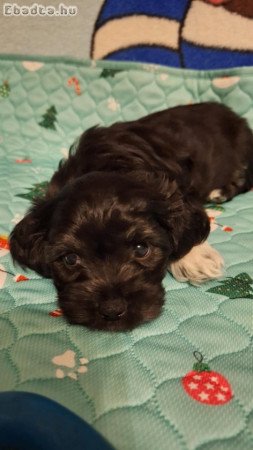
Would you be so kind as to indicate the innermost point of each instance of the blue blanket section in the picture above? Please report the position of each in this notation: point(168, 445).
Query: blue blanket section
point(31, 421)
point(195, 57)
point(192, 55)
point(172, 9)
point(153, 55)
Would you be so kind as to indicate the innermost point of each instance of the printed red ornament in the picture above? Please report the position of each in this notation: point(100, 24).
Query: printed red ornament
point(56, 313)
point(206, 386)
point(20, 277)
point(17, 278)
point(4, 243)
point(227, 229)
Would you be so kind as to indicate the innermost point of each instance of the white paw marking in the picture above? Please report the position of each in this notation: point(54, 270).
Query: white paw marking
point(68, 360)
point(72, 375)
point(201, 264)
point(83, 361)
point(216, 193)
point(59, 373)
point(82, 369)
point(217, 196)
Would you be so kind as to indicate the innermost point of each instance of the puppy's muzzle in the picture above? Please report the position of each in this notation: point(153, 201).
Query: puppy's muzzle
point(113, 309)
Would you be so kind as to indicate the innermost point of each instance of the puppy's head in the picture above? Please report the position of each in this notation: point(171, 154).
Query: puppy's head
point(107, 240)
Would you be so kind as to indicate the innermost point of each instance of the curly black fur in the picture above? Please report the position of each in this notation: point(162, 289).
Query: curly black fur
point(135, 183)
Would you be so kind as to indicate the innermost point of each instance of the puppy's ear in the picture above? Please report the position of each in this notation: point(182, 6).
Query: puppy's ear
point(184, 219)
point(28, 240)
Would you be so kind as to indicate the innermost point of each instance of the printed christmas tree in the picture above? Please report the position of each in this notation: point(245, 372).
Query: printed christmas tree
point(235, 287)
point(5, 89)
point(215, 207)
point(49, 118)
point(109, 73)
point(36, 191)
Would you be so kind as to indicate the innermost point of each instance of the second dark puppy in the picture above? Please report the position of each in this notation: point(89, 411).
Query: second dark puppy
point(127, 206)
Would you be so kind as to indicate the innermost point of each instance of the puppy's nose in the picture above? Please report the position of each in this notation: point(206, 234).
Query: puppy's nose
point(113, 315)
point(112, 309)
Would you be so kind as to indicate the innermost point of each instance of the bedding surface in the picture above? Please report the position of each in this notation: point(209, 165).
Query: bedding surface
point(182, 382)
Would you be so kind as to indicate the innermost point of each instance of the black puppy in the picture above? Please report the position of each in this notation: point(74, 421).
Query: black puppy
point(127, 205)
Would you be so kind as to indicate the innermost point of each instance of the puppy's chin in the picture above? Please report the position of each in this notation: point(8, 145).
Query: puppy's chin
point(142, 307)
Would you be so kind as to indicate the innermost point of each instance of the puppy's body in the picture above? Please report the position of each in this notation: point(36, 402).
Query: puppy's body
point(127, 205)
point(204, 147)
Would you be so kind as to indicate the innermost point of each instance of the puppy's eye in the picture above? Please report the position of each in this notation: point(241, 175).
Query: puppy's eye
point(71, 259)
point(141, 250)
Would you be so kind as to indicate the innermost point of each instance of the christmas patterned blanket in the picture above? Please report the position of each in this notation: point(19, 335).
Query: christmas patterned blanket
point(182, 382)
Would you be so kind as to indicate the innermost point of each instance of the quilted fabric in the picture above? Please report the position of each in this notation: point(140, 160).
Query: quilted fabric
point(129, 386)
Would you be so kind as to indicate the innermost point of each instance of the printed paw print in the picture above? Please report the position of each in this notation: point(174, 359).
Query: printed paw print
point(69, 366)
point(112, 104)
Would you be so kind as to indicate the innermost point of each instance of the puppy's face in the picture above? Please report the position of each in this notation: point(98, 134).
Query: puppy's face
point(107, 254)
point(106, 240)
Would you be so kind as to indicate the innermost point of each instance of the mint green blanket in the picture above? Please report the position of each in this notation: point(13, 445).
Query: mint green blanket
point(132, 387)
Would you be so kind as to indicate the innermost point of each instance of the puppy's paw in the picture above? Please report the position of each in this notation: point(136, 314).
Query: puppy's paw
point(217, 196)
point(201, 264)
